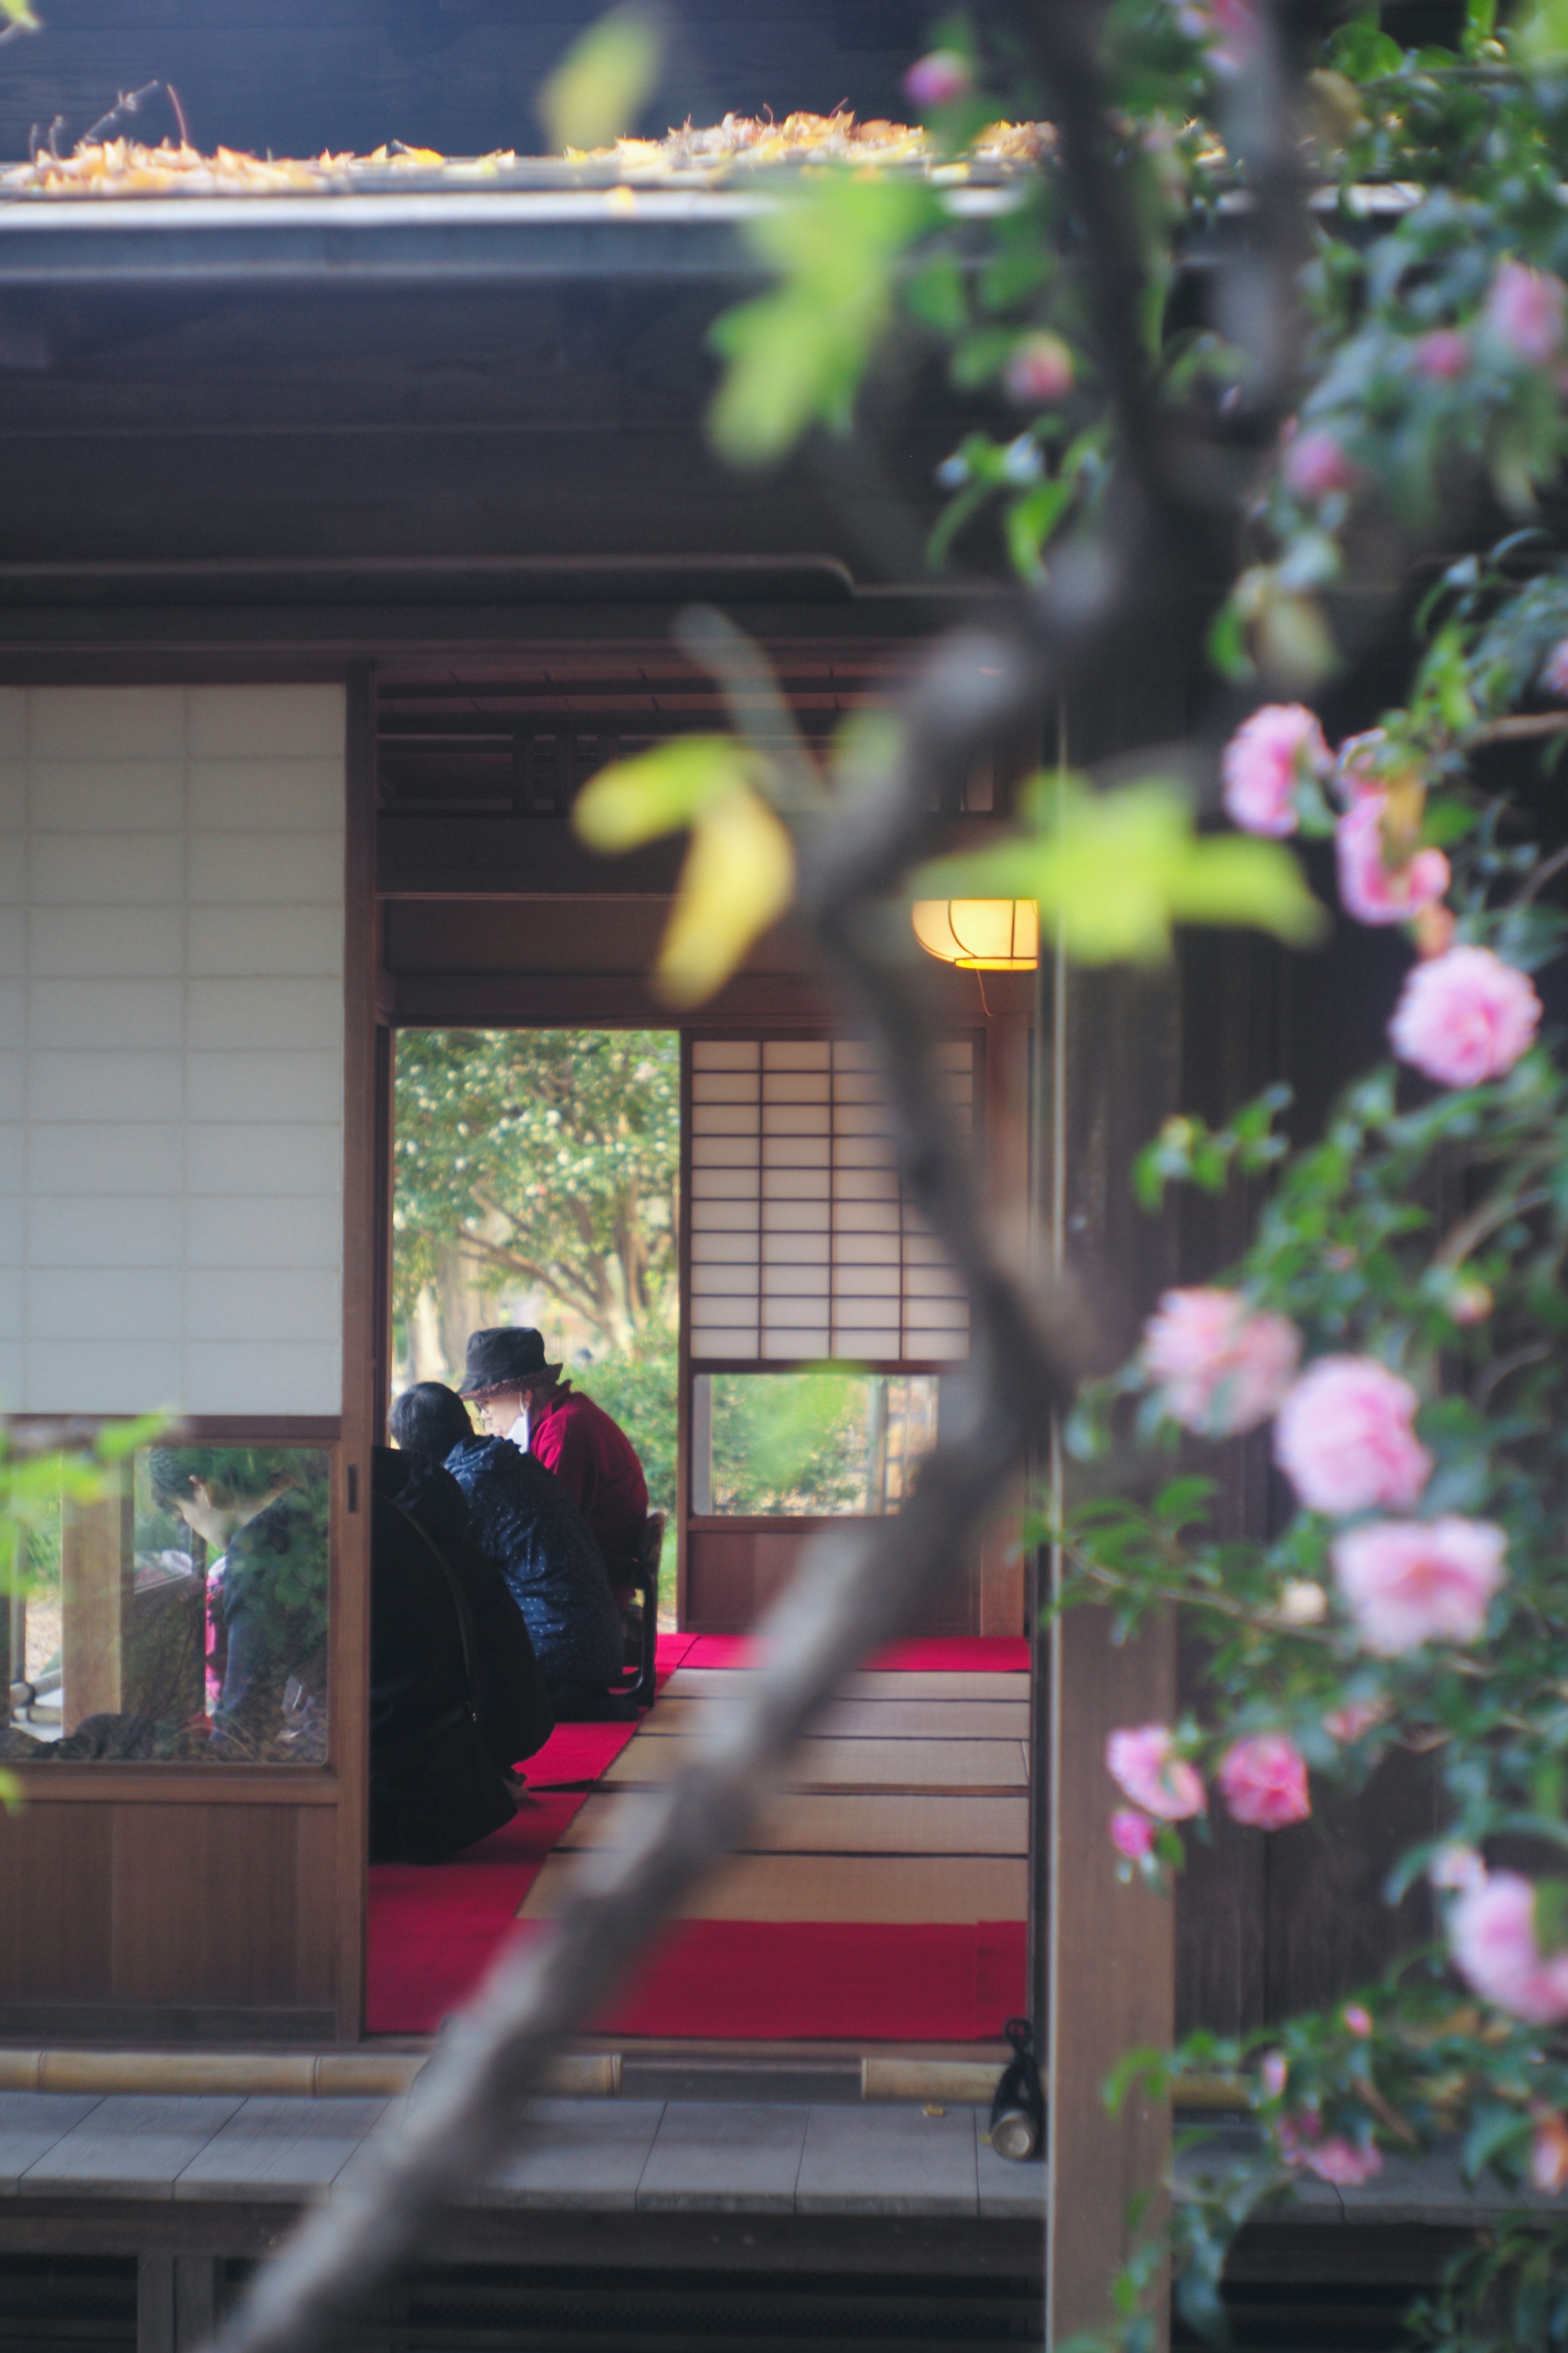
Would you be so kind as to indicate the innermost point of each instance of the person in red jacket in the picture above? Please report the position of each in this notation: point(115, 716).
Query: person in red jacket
point(507, 1379)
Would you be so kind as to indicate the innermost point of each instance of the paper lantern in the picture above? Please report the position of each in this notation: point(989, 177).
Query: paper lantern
point(980, 935)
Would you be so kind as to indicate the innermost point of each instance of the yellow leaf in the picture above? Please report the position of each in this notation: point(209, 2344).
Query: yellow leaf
point(634, 801)
point(738, 879)
point(605, 79)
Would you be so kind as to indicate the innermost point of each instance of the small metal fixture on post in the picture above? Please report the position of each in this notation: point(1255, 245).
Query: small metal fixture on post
point(1018, 2110)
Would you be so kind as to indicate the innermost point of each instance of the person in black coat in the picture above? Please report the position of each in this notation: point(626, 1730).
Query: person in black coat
point(522, 1516)
point(453, 1707)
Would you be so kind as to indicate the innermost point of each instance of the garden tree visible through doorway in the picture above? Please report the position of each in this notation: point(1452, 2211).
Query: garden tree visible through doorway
point(536, 1179)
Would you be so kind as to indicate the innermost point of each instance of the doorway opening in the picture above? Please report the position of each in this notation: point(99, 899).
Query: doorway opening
point(536, 1178)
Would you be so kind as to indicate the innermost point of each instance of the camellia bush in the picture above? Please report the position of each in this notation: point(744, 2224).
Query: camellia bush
point(1399, 1326)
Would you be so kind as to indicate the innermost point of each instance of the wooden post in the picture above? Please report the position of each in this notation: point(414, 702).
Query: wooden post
point(1107, 1952)
point(97, 1574)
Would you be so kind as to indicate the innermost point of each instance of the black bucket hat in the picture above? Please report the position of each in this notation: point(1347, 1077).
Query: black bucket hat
point(502, 1357)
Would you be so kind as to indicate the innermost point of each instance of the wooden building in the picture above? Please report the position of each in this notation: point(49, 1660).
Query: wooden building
point(341, 540)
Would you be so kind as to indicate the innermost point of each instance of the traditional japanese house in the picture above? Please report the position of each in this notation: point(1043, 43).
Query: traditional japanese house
point(343, 535)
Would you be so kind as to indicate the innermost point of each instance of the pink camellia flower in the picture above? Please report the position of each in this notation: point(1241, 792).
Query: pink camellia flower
point(1273, 2074)
point(1227, 28)
point(1316, 465)
point(1372, 891)
point(1442, 355)
point(1345, 1442)
point(1554, 670)
point(937, 78)
point(1491, 1935)
point(1343, 2162)
point(1133, 1835)
point(1465, 1016)
point(1264, 1782)
point(1264, 761)
point(1356, 1716)
point(1458, 1869)
point(1358, 2020)
point(1524, 312)
point(1041, 367)
point(1142, 1763)
point(1221, 1365)
point(1413, 1581)
point(1549, 2152)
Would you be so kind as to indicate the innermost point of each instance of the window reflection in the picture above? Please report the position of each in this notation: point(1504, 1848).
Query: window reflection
point(178, 1613)
point(823, 1443)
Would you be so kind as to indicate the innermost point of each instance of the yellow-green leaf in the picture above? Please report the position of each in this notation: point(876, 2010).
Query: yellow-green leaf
point(1113, 872)
point(19, 18)
point(10, 1793)
point(797, 356)
point(634, 801)
point(604, 81)
point(738, 879)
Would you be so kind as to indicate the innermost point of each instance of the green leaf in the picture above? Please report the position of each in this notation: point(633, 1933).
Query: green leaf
point(661, 791)
point(1112, 871)
point(1361, 51)
point(797, 356)
point(936, 296)
point(11, 1799)
point(19, 18)
point(604, 81)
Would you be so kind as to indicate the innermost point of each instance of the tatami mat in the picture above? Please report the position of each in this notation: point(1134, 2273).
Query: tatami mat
point(821, 1822)
point(890, 1888)
point(848, 1764)
point(860, 1719)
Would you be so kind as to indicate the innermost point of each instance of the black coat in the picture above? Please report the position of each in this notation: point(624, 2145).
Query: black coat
point(421, 1738)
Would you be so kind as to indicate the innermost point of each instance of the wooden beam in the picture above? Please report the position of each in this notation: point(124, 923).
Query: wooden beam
point(1108, 1950)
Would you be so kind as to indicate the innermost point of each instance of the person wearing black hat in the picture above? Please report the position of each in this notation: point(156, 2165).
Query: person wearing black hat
point(506, 1378)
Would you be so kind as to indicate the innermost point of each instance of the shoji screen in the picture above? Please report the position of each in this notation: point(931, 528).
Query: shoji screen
point(171, 1049)
point(802, 1243)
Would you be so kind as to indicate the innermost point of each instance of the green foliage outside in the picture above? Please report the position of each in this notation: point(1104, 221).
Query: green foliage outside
point(547, 1162)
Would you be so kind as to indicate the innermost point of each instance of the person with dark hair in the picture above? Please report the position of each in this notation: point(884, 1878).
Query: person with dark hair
point(457, 1698)
point(267, 1588)
point(522, 1397)
point(521, 1515)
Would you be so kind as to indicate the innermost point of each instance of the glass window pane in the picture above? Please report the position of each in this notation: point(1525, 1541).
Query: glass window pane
point(174, 1609)
point(822, 1442)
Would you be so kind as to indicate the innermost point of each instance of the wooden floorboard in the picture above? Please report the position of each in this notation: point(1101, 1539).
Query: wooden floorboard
point(886, 1822)
point(889, 1888)
point(858, 1719)
point(978, 1765)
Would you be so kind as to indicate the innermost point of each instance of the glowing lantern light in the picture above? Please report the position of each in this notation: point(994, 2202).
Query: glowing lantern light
point(980, 935)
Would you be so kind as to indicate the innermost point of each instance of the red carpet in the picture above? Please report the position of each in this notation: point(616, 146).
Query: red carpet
point(433, 1932)
point(993, 1654)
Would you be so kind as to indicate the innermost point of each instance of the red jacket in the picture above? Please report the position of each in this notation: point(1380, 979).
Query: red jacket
point(596, 1463)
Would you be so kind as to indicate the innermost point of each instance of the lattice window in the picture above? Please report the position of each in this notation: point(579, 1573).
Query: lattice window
point(801, 1244)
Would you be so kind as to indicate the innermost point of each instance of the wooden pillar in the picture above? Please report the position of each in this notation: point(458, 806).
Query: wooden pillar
point(96, 1573)
point(1106, 1952)
point(1007, 1131)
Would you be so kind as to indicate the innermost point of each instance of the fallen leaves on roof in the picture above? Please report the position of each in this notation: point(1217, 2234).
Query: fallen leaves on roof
point(122, 167)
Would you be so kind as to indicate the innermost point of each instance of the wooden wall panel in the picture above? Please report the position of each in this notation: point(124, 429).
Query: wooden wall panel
point(55, 1907)
point(117, 1918)
point(734, 1575)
